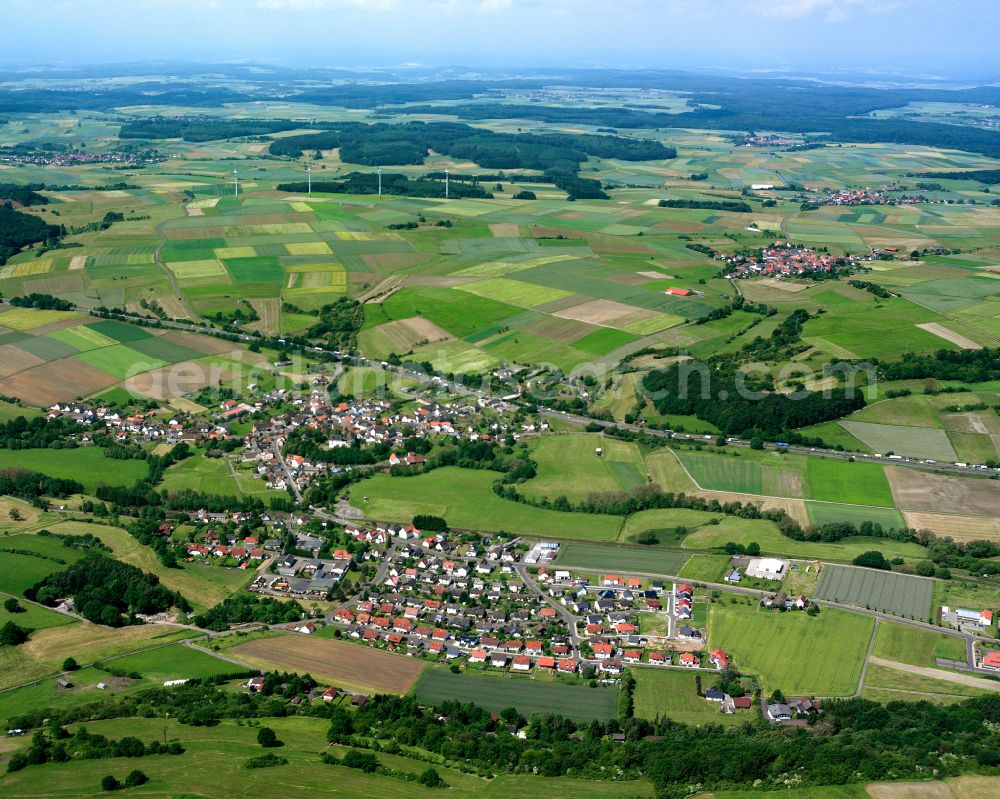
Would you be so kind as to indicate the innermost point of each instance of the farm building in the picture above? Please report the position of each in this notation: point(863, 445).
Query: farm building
point(766, 568)
point(991, 660)
point(675, 292)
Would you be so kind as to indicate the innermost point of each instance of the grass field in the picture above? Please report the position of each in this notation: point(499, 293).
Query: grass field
point(214, 756)
point(499, 692)
point(34, 617)
point(797, 653)
point(465, 498)
point(214, 476)
point(915, 646)
point(672, 694)
point(85, 464)
point(626, 559)
point(898, 594)
point(852, 483)
point(771, 541)
point(568, 466)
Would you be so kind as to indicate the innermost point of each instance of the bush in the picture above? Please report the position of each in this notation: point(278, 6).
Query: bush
point(647, 538)
point(11, 605)
point(365, 761)
point(110, 783)
point(70, 664)
point(265, 761)
point(925, 568)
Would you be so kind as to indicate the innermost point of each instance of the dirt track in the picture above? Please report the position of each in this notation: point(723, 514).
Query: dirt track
point(940, 674)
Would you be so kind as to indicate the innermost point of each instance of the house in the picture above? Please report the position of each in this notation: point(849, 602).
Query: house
point(477, 656)
point(779, 711)
point(64, 684)
point(546, 663)
point(330, 694)
point(689, 660)
point(733, 576)
point(359, 700)
point(718, 658)
point(991, 660)
point(603, 651)
point(742, 703)
point(714, 695)
point(521, 663)
point(658, 658)
point(566, 666)
point(254, 684)
point(306, 629)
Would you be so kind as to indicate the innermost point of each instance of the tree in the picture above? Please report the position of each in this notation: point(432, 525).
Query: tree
point(648, 538)
point(753, 548)
point(756, 443)
point(135, 778)
point(70, 664)
point(431, 779)
point(925, 568)
point(11, 634)
point(110, 783)
point(15, 515)
point(267, 738)
point(11, 605)
point(873, 559)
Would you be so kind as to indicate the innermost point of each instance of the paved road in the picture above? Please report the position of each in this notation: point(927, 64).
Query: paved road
point(868, 657)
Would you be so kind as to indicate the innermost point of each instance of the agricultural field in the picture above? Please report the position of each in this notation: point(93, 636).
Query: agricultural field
point(797, 653)
point(569, 466)
point(57, 356)
point(86, 465)
point(497, 692)
point(345, 665)
point(898, 594)
point(673, 695)
point(625, 559)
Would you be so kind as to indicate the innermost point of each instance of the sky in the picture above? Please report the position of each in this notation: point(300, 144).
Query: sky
point(915, 37)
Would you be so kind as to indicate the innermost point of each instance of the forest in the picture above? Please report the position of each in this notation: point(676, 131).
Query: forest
point(106, 591)
point(22, 194)
point(19, 230)
point(205, 129)
point(384, 145)
point(392, 184)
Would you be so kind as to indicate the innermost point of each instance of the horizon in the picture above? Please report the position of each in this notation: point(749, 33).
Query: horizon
point(913, 41)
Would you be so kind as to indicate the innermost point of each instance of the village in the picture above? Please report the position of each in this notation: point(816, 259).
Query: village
point(784, 259)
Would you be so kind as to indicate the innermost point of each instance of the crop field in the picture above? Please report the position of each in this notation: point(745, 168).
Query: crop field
point(497, 692)
point(465, 498)
point(174, 662)
point(673, 695)
point(797, 653)
point(625, 559)
point(852, 483)
point(916, 442)
point(898, 594)
point(345, 665)
point(823, 512)
point(930, 493)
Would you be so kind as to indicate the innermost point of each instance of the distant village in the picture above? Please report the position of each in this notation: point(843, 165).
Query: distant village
point(785, 259)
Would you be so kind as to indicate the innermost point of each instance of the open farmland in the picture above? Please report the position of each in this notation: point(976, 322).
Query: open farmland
point(899, 594)
point(797, 653)
point(337, 663)
point(498, 692)
point(568, 465)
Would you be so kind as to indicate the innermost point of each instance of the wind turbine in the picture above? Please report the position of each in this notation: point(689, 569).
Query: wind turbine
point(446, 184)
point(380, 181)
point(236, 184)
point(309, 177)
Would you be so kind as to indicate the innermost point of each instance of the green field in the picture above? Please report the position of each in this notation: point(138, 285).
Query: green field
point(898, 594)
point(771, 541)
point(87, 465)
point(465, 498)
point(915, 646)
point(626, 559)
point(568, 466)
point(852, 483)
point(499, 692)
point(672, 695)
point(797, 653)
point(214, 476)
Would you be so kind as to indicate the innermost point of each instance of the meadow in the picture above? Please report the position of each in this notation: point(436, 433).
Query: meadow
point(465, 498)
point(673, 695)
point(498, 692)
point(916, 646)
point(214, 756)
point(797, 653)
point(87, 465)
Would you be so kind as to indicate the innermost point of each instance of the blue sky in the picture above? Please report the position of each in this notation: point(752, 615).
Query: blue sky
point(922, 37)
